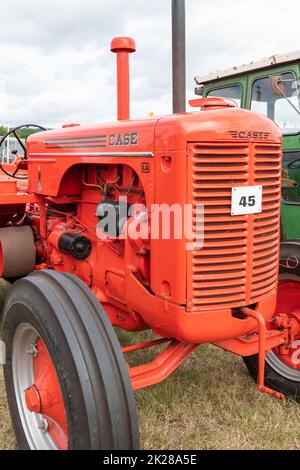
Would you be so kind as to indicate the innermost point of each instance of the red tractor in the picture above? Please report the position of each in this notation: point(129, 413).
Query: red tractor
point(69, 245)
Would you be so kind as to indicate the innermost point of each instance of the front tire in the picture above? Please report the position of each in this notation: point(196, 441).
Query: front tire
point(66, 379)
point(282, 371)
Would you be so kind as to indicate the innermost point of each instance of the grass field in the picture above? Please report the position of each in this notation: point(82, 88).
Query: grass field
point(210, 402)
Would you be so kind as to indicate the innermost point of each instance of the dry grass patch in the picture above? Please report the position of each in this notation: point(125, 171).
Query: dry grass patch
point(7, 438)
point(211, 402)
point(3, 289)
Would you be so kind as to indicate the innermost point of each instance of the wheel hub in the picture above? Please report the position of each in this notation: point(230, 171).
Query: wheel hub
point(44, 396)
point(38, 392)
point(33, 399)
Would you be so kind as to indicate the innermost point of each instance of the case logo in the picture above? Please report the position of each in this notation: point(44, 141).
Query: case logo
point(249, 135)
point(123, 140)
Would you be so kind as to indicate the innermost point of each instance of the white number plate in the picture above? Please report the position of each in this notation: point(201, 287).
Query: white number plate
point(246, 200)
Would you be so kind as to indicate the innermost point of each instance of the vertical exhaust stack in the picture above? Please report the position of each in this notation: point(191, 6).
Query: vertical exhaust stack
point(178, 56)
point(123, 46)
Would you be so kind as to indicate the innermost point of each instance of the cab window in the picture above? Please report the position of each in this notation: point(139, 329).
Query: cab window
point(281, 108)
point(233, 92)
point(291, 177)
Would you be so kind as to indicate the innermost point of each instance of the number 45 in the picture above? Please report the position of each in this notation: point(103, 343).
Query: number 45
point(247, 201)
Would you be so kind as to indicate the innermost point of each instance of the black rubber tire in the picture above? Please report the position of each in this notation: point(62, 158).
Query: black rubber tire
point(91, 370)
point(273, 379)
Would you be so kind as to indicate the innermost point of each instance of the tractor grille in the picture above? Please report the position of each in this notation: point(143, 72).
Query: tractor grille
point(237, 264)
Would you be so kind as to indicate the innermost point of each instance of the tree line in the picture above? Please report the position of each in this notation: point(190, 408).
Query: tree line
point(22, 133)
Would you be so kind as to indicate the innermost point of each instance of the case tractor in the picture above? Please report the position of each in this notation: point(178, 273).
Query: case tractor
point(78, 245)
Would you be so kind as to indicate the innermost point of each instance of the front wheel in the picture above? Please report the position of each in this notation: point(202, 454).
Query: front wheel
point(282, 371)
point(66, 379)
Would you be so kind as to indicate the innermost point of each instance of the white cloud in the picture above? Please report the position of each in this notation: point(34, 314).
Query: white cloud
point(55, 64)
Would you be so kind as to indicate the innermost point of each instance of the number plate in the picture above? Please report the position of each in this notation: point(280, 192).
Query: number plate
point(246, 200)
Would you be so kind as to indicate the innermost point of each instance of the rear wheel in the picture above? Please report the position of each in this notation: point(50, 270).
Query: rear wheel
point(282, 372)
point(66, 379)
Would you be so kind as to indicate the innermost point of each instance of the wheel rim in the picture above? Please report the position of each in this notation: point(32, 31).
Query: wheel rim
point(288, 302)
point(38, 394)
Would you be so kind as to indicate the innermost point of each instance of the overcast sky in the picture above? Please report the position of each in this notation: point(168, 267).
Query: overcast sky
point(56, 66)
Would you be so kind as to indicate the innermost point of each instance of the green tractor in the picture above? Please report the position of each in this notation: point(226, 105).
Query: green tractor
point(271, 87)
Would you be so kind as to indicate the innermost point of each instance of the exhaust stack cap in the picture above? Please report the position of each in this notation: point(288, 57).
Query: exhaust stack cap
point(121, 44)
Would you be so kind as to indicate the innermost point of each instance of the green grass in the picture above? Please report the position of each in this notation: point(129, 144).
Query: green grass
point(210, 402)
point(7, 439)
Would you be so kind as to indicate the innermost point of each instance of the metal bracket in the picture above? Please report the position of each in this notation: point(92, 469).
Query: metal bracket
point(168, 360)
point(262, 332)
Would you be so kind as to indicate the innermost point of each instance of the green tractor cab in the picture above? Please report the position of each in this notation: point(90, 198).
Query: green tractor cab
point(270, 87)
